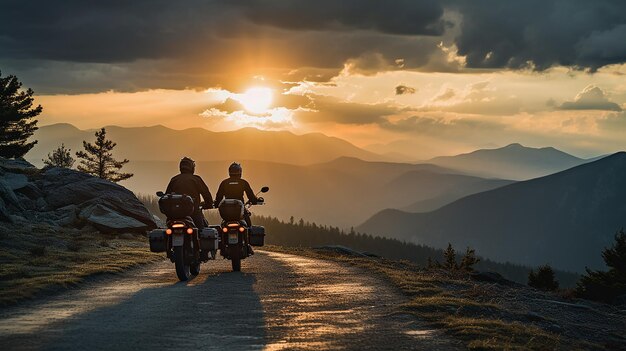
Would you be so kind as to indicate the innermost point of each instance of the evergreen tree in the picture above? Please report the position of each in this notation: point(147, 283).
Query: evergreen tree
point(450, 258)
point(606, 286)
point(16, 118)
point(98, 160)
point(543, 279)
point(60, 157)
point(469, 260)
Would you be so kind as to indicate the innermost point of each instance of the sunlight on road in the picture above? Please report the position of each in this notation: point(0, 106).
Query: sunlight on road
point(76, 302)
point(332, 307)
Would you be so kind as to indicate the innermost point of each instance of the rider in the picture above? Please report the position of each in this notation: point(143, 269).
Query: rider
point(234, 187)
point(189, 184)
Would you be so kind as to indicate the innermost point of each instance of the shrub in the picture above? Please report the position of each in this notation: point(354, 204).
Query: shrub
point(543, 279)
point(606, 286)
point(469, 260)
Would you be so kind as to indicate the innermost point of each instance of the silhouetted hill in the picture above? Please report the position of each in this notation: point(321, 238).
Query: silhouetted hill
point(564, 219)
point(471, 185)
point(343, 192)
point(159, 143)
point(511, 162)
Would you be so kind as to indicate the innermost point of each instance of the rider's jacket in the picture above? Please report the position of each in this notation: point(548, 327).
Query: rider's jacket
point(233, 188)
point(192, 185)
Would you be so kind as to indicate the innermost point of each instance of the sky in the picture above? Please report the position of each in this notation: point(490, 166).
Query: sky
point(409, 78)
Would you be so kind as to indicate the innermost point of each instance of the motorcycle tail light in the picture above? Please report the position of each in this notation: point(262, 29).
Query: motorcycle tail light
point(233, 224)
point(168, 231)
point(242, 229)
point(189, 230)
point(178, 225)
point(225, 230)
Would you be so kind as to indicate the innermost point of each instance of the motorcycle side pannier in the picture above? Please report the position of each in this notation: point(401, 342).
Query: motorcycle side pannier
point(208, 239)
point(176, 205)
point(158, 240)
point(257, 235)
point(231, 209)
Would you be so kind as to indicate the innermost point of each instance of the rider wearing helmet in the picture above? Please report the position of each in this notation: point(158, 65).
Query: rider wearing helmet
point(189, 184)
point(234, 187)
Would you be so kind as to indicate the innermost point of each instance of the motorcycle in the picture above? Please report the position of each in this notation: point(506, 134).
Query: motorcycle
point(181, 240)
point(235, 234)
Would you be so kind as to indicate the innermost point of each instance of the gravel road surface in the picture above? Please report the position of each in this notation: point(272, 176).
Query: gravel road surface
point(277, 302)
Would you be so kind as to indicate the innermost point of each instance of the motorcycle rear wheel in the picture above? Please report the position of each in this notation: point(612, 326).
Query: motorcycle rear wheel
point(235, 258)
point(183, 271)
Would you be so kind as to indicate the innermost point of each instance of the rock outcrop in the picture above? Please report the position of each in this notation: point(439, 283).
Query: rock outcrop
point(67, 198)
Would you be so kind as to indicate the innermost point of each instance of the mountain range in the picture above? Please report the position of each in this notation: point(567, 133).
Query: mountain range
point(159, 143)
point(343, 192)
point(513, 161)
point(564, 219)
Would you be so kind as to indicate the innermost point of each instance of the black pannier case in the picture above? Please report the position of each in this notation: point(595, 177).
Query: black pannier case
point(208, 239)
point(257, 235)
point(158, 240)
point(231, 209)
point(176, 205)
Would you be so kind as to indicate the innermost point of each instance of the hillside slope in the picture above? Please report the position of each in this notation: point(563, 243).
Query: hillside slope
point(344, 192)
point(159, 143)
point(564, 219)
point(511, 162)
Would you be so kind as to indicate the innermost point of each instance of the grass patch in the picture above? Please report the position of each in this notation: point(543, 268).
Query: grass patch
point(39, 258)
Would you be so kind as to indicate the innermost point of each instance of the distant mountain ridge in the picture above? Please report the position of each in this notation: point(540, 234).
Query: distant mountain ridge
point(513, 161)
point(564, 219)
point(159, 143)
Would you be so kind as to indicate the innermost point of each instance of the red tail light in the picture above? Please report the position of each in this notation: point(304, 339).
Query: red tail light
point(189, 230)
point(168, 231)
point(225, 230)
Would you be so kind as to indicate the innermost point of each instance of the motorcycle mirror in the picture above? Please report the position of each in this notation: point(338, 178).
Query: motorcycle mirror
point(265, 189)
point(159, 193)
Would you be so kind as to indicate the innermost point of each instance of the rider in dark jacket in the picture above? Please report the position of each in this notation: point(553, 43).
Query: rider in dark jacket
point(189, 184)
point(234, 187)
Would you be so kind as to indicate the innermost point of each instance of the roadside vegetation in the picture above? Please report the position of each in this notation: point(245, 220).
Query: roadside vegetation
point(37, 258)
point(489, 315)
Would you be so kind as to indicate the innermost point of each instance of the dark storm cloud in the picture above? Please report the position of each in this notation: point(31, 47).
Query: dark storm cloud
point(407, 17)
point(541, 34)
point(199, 43)
point(403, 89)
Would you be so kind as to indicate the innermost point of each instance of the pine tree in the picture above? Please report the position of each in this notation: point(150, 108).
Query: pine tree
point(543, 279)
point(450, 258)
point(469, 260)
point(98, 160)
point(60, 157)
point(16, 118)
point(606, 286)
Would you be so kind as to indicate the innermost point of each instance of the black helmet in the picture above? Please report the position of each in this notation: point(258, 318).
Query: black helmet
point(187, 165)
point(234, 170)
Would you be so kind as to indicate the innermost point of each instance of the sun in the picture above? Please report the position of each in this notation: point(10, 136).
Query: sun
point(256, 100)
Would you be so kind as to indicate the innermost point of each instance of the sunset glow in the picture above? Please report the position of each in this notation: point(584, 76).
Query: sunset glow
point(256, 100)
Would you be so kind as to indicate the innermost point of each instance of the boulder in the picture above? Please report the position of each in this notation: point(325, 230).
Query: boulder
point(61, 196)
point(31, 191)
point(126, 204)
point(107, 220)
point(18, 165)
point(15, 180)
point(9, 197)
point(79, 191)
point(4, 213)
point(492, 277)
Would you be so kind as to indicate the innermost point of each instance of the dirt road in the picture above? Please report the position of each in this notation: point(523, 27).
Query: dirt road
point(278, 302)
